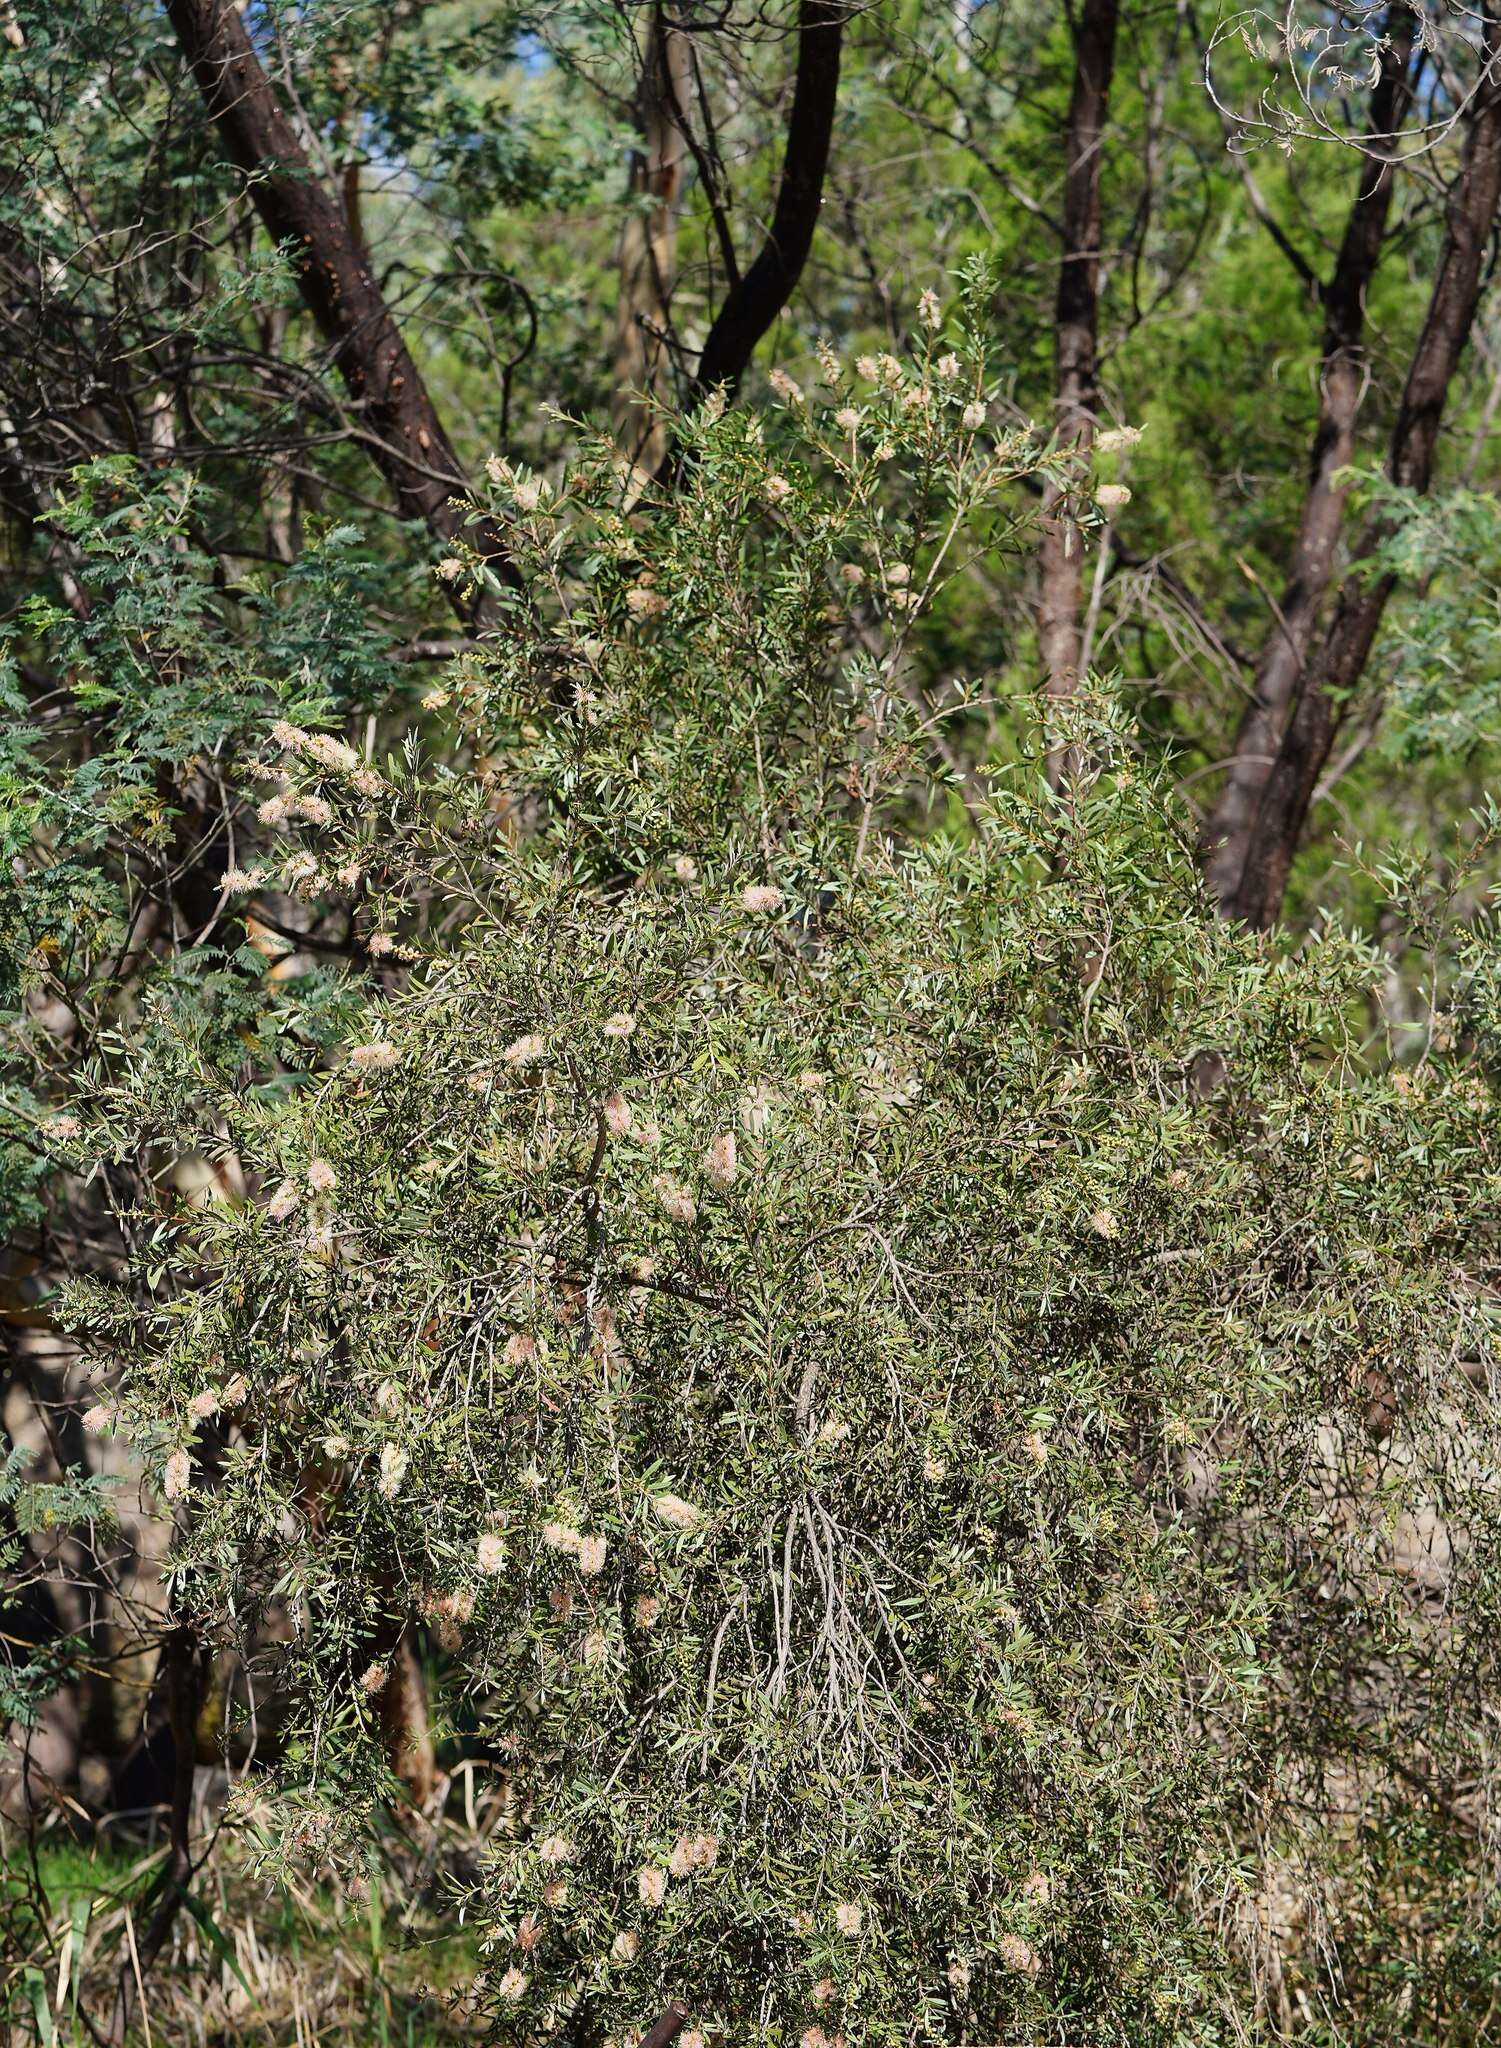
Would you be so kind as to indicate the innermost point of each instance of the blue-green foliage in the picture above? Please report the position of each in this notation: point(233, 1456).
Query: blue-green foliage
point(31, 1673)
point(120, 812)
point(1442, 645)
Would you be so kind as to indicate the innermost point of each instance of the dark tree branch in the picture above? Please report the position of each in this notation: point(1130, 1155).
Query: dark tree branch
point(710, 168)
point(1304, 270)
point(1342, 380)
point(766, 287)
point(667, 2028)
point(1305, 748)
point(406, 438)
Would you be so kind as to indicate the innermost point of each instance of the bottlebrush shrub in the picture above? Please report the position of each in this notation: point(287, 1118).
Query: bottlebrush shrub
point(937, 1402)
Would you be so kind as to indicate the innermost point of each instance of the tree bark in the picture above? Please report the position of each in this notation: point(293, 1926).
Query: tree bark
point(1305, 747)
point(666, 2028)
point(184, 1671)
point(755, 301)
point(1060, 611)
point(1279, 669)
point(399, 424)
point(405, 1732)
point(648, 245)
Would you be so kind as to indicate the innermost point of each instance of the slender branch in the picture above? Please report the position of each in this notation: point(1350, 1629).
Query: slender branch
point(1060, 610)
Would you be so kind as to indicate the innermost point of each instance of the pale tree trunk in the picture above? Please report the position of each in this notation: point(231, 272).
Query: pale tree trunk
point(1060, 611)
point(278, 485)
point(649, 246)
point(1279, 669)
point(1331, 677)
point(405, 1731)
